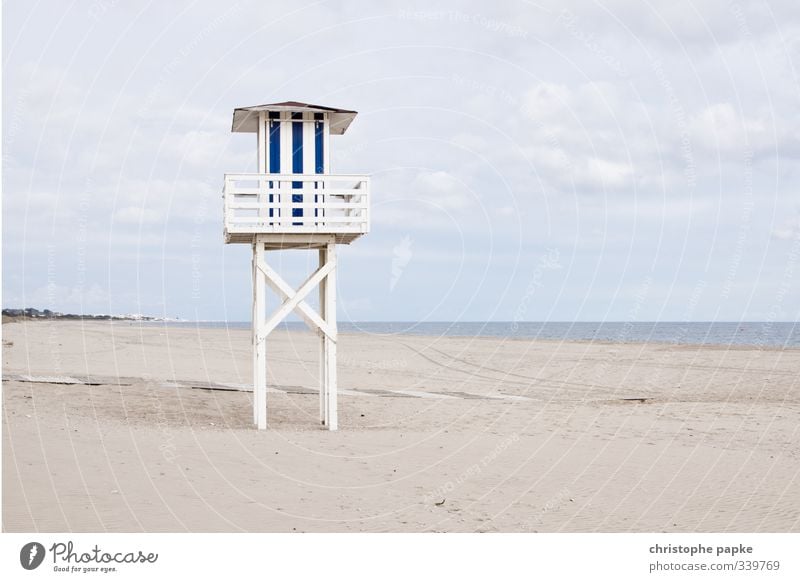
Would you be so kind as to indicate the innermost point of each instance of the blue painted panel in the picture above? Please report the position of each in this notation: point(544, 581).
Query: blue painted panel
point(274, 153)
point(319, 147)
point(319, 150)
point(274, 147)
point(297, 161)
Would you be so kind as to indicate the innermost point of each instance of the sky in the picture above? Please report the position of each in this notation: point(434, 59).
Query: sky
point(530, 161)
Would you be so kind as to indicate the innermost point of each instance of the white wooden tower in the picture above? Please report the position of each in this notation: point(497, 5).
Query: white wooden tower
point(294, 202)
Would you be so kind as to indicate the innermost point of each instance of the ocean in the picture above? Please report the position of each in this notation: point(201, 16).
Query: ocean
point(758, 334)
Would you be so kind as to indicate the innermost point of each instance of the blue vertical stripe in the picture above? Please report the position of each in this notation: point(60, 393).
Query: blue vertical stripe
point(274, 149)
point(319, 144)
point(297, 161)
point(318, 150)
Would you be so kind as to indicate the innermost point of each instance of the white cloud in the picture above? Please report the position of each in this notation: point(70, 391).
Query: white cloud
point(442, 189)
point(789, 229)
point(138, 215)
point(62, 297)
point(470, 141)
point(684, 24)
point(605, 173)
point(197, 148)
point(546, 100)
point(721, 129)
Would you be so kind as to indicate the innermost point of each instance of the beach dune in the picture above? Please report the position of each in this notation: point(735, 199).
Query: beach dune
point(127, 427)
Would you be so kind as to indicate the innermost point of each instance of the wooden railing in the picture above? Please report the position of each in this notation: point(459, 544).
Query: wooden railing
point(295, 203)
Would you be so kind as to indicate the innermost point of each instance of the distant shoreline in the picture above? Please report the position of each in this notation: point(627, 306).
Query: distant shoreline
point(30, 313)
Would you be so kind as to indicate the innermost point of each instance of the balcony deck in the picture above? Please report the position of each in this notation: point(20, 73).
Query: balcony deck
point(295, 210)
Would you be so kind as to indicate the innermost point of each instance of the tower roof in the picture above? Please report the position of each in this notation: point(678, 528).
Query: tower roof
point(245, 119)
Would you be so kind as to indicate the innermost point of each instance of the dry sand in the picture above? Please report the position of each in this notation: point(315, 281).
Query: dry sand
point(437, 434)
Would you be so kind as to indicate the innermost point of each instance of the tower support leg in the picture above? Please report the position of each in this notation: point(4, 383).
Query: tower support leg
point(259, 342)
point(323, 361)
point(329, 350)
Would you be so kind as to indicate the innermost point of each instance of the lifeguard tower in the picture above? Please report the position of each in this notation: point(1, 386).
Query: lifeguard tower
point(294, 202)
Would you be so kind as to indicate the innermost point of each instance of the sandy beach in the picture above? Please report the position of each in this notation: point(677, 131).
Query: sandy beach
point(123, 427)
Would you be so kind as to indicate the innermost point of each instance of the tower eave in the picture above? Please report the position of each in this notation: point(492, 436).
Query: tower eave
point(245, 119)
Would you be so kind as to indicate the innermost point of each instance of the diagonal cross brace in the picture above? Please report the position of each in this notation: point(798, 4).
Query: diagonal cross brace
point(295, 299)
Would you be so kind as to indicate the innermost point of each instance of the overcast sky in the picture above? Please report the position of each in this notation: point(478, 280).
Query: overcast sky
point(615, 160)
